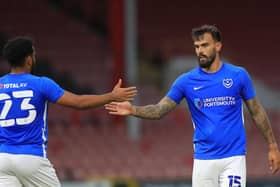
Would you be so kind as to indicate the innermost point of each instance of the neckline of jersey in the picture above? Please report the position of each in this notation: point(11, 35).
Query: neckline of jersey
point(17, 74)
point(213, 73)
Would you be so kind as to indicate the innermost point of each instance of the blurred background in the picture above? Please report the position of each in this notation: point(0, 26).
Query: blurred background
point(86, 45)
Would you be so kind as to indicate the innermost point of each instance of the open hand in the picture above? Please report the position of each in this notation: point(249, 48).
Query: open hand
point(119, 108)
point(123, 94)
point(274, 160)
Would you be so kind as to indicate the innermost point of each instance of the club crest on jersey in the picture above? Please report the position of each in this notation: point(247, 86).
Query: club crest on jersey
point(227, 83)
point(198, 103)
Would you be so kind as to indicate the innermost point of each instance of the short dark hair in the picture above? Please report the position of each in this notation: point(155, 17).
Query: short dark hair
point(16, 49)
point(211, 29)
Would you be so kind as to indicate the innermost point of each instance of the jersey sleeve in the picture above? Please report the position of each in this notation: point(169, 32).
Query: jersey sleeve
point(51, 90)
point(247, 88)
point(176, 92)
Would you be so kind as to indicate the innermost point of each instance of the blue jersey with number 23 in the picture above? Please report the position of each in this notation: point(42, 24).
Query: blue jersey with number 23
point(23, 113)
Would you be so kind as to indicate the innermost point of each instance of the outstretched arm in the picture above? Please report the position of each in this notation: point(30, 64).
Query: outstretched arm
point(156, 111)
point(91, 101)
point(263, 124)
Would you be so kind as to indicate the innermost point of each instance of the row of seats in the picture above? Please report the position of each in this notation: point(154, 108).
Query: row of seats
point(245, 25)
point(240, 25)
point(67, 44)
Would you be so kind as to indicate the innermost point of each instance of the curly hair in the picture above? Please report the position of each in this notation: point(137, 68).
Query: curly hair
point(17, 49)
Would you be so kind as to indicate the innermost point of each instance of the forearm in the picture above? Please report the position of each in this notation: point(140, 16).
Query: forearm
point(261, 120)
point(263, 124)
point(147, 112)
point(154, 111)
point(84, 101)
point(92, 101)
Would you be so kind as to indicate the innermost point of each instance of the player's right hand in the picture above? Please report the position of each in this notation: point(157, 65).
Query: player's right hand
point(274, 158)
point(123, 94)
point(119, 108)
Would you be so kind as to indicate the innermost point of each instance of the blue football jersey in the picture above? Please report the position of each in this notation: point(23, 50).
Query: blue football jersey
point(23, 113)
point(215, 103)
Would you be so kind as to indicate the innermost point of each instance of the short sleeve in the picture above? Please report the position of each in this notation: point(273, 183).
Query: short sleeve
point(51, 90)
point(247, 88)
point(176, 92)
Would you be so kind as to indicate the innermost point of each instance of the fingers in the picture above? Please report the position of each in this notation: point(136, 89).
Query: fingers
point(130, 93)
point(111, 107)
point(270, 163)
point(124, 94)
point(114, 113)
point(130, 90)
point(129, 97)
point(274, 169)
point(273, 166)
point(118, 85)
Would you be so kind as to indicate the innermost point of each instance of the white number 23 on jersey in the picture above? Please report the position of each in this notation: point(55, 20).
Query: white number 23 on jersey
point(26, 95)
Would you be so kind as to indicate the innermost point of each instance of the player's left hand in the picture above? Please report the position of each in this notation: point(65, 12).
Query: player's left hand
point(274, 158)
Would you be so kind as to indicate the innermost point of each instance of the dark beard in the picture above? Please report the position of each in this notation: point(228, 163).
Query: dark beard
point(208, 63)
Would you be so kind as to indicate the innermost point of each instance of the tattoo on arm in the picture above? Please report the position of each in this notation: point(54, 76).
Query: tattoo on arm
point(261, 119)
point(155, 111)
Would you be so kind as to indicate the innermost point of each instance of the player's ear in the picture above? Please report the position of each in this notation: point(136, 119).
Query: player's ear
point(219, 46)
point(28, 60)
